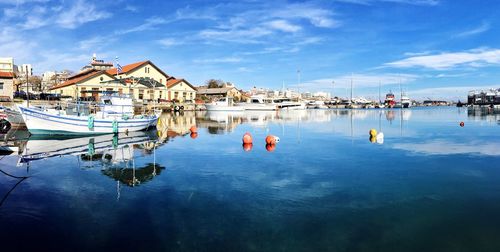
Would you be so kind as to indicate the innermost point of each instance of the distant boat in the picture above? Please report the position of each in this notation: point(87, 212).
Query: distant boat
point(115, 116)
point(223, 104)
point(389, 100)
point(405, 101)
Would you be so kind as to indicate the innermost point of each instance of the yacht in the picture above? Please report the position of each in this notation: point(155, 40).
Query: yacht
point(258, 103)
point(223, 104)
point(389, 100)
point(405, 101)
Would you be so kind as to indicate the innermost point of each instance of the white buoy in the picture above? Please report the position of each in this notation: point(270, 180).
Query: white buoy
point(277, 139)
point(380, 138)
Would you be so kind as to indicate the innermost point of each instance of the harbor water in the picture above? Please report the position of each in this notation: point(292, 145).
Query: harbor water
point(429, 185)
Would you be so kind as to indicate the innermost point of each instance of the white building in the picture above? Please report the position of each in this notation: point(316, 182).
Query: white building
point(26, 68)
point(7, 65)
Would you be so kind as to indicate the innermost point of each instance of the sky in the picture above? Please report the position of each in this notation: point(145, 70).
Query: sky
point(437, 49)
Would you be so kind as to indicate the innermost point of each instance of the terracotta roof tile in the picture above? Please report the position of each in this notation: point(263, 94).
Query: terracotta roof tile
point(127, 68)
point(78, 77)
point(6, 75)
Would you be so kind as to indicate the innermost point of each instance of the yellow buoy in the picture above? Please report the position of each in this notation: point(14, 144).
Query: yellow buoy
point(373, 132)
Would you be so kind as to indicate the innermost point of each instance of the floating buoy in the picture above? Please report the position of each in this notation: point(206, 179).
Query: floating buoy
point(270, 139)
point(270, 147)
point(380, 138)
point(462, 124)
point(193, 129)
point(373, 139)
point(194, 135)
point(247, 138)
point(247, 146)
point(373, 132)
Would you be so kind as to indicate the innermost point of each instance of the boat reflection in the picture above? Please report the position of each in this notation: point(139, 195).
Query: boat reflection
point(87, 148)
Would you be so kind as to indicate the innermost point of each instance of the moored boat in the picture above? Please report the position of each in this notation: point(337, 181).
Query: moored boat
point(258, 103)
point(223, 104)
point(109, 118)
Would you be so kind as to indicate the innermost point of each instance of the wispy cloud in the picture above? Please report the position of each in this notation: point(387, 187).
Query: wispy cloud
point(361, 80)
point(477, 30)
point(218, 60)
point(168, 42)
point(410, 2)
point(80, 13)
point(473, 58)
point(283, 25)
point(149, 24)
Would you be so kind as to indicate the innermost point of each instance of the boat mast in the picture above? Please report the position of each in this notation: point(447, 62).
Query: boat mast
point(379, 100)
point(351, 89)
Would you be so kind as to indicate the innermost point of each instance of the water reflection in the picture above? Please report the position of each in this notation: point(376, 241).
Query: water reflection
point(484, 114)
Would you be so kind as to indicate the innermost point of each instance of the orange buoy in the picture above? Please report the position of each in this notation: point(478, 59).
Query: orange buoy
point(270, 147)
point(194, 135)
point(247, 138)
point(270, 139)
point(462, 124)
point(247, 146)
point(193, 129)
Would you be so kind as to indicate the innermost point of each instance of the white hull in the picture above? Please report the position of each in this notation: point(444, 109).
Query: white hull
point(42, 122)
point(258, 107)
point(212, 107)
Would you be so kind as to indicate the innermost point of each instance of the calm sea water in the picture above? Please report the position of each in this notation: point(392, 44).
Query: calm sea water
point(430, 186)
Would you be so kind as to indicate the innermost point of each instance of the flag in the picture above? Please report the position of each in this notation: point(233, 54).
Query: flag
point(119, 68)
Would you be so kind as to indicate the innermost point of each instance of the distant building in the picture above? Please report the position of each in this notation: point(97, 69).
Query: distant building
point(97, 64)
point(7, 65)
point(6, 86)
point(484, 97)
point(26, 69)
point(214, 93)
point(180, 90)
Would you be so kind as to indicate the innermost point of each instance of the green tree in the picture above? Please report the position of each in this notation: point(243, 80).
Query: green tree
point(213, 83)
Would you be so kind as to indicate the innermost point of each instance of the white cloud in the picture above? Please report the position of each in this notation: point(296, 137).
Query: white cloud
point(168, 42)
point(284, 26)
point(410, 2)
point(480, 29)
point(218, 60)
point(319, 17)
point(131, 8)
point(20, 2)
point(472, 58)
point(149, 24)
point(238, 35)
point(80, 13)
point(361, 81)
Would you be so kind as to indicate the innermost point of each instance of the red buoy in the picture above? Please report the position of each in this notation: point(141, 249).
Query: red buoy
point(247, 146)
point(247, 138)
point(270, 139)
point(270, 147)
point(462, 124)
point(193, 129)
point(194, 135)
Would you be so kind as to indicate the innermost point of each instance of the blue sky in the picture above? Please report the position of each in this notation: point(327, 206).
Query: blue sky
point(434, 48)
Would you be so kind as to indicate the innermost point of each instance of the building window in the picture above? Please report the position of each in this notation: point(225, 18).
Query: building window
point(141, 94)
point(176, 94)
point(1, 85)
point(184, 95)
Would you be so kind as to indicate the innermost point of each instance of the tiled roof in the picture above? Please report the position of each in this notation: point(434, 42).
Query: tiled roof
point(127, 68)
point(78, 78)
point(173, 81)
point(7, 75)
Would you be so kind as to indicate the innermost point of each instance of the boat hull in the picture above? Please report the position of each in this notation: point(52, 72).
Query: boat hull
point(212, 107)
point(40, 122)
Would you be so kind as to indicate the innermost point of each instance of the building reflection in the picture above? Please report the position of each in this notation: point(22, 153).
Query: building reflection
point(484, 114)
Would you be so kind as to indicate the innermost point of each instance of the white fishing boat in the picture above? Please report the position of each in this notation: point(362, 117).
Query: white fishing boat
point(114, 115)
point(223, 104)
point(258, 103)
